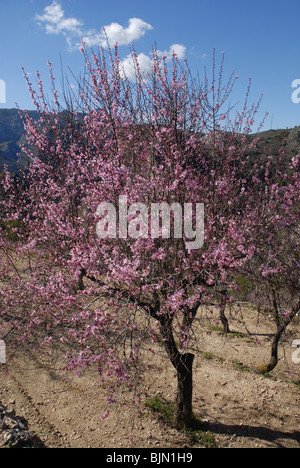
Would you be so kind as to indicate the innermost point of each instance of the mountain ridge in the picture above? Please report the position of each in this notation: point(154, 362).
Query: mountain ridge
point(12, 137)
point(11, 134)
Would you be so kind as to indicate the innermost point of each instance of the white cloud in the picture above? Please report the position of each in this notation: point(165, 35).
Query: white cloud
point(91, 38)
point(124, 36)
point(127, 66)
point(56, 23)
point(178, 49)
point(115, 33)
point(53, 14)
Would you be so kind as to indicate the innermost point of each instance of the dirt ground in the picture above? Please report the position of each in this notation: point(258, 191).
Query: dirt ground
point(238, 408)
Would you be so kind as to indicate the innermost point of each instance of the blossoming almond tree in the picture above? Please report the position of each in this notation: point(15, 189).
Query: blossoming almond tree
point(273, 231)
point(162, 138)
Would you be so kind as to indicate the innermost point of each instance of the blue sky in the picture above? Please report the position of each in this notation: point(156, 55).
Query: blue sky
point(260, 40)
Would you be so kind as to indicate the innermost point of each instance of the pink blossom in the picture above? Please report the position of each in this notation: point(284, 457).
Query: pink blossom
point(104, 415)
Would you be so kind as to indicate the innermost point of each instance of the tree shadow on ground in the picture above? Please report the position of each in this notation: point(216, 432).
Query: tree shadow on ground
point(253, 432)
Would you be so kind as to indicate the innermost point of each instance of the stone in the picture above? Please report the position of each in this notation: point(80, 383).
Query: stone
point(14, 431)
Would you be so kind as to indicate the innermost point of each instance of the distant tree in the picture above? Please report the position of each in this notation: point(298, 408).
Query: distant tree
point(273, 230)
point(165, 137)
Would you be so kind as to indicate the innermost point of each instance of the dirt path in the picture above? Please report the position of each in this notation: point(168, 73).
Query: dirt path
point(238, 407)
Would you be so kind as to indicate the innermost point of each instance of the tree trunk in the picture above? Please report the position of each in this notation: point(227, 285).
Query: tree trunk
point(183, 363)
point(274, 350)
point(224, 320)
point(185, 391)
point(223, 317)
point(266, 368)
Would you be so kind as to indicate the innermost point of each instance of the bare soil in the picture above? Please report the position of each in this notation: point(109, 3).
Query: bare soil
point(238, 407)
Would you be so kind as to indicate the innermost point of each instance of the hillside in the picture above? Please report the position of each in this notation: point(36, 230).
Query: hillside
point(274, 140)
point(12, 131)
